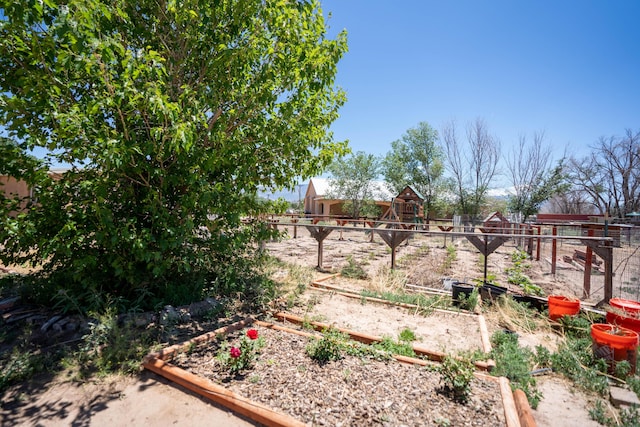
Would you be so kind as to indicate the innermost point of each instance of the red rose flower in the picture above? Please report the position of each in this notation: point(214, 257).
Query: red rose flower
point(252, 334)
point(235, 352)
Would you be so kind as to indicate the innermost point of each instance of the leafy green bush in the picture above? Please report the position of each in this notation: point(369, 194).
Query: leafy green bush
point(516, 274)
point(165, 169)
point(574, 359)
point(627, 417)
point(328, 348)
point(456, 376)
point(18, 365)
point(469, 302)
point(112, 347)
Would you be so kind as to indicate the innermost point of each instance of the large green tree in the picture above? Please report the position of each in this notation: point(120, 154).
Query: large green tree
point(171, 114)
point(353, 179)
point(417, 160)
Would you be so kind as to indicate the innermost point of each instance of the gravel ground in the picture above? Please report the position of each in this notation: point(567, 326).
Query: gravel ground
point(349, 392)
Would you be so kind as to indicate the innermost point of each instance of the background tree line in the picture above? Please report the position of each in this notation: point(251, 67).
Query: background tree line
point(455, 169)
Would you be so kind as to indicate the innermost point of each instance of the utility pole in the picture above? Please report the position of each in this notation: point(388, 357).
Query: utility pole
point(300, 207)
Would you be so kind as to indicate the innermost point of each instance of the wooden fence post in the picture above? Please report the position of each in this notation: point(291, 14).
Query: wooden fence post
point(554, 250)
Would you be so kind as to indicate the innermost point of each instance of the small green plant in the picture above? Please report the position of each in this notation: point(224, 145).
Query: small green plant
point(328, 348)
point(574, 359)
point(456, 377)
point(443, 422)
point(425, 304)
point(491, 279)
point(630, 417)
point(449, 259)
point(627, 417)
point(18, 365)
point(599, 414)
point(516, 274)
point(407, 335)
point(622, 369)
point(469, 302)
point(634, 384)
point(242, 357)
point(353, 270)
point(542, 357)
point(389, 346)
point(346, 374)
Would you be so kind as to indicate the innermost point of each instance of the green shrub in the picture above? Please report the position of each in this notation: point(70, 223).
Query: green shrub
point(353, 270)
point(515, 363)
point(18, 365)
point(456, 377)
point(328, 348)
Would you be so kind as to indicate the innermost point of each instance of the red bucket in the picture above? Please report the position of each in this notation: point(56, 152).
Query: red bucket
point(562, 306)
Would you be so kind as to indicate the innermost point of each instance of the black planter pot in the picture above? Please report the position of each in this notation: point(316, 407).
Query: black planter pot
point(490, 292)
point(458, 290)
point(537, 303)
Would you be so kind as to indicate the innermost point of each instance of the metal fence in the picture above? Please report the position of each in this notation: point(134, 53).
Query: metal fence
point(626, 262)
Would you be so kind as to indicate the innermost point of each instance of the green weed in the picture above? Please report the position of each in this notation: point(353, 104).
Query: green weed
point(515, 363)
point(19, 365)
point(449, 259)
point(353, 270)
point(111, 347)
point(469, 302)
point(407, 335)
point(388, 345)
point(425, 304)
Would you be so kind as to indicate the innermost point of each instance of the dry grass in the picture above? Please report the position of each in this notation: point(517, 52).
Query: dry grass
point(385, 280)
point(514, 316)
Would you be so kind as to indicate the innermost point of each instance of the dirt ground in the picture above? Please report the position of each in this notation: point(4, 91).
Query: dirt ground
point(150, 400)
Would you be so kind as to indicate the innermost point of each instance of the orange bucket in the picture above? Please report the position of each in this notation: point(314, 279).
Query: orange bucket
point(622, 320)
point(626, 305)
point(562, 306)
point(614, 344)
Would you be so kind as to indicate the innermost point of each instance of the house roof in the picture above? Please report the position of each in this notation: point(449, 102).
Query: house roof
point(322, 187)
point(412, 189)
point(495, 216)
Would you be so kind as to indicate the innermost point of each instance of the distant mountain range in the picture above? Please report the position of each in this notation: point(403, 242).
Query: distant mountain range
point(289, 196)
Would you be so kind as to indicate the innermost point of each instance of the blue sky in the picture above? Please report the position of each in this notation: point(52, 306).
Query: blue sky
point(568, 68)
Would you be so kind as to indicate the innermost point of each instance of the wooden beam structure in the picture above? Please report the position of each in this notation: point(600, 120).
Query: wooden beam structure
point(393, 238)
point(319, 233)
point(487, 245)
